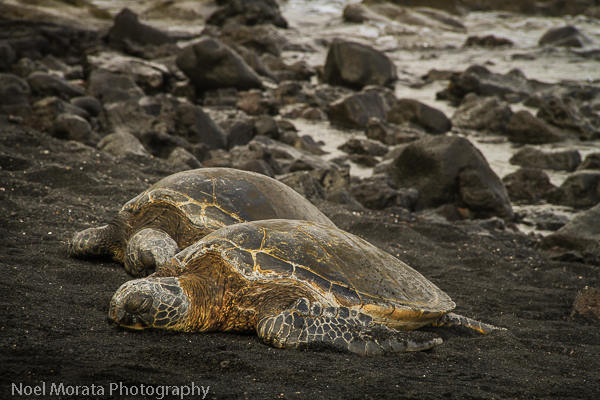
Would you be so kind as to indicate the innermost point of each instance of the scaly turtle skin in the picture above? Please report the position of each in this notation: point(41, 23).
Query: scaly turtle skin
point(296, 284)
point(181, 208)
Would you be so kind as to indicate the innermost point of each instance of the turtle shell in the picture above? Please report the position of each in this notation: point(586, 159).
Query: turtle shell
point(339, 267)
point(211, 198)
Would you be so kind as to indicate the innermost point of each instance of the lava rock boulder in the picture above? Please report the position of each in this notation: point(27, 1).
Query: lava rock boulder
point(580, 237)
point(526, 128)
point(564, 36)
point(210, 64)
point(563, 160)
point(356, 65)
point(528, 185)
point(248, 12)
point(408, 110)
point(128, 29)
point(14, 95)
point(355, 110)
point(580, 190)
point(484, 114)
point(450, 170)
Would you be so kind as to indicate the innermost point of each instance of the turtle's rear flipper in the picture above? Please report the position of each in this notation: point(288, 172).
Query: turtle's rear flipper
point(311, 326)
point(452, 319)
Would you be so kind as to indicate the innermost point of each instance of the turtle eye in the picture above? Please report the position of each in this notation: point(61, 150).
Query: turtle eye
point(147, 259)
point(137, 303)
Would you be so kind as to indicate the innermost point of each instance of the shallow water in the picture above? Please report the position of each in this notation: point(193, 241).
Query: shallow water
point(419, 49)
point(332, 138)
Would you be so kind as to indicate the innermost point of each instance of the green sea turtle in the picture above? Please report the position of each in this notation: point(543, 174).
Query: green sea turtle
point(296, 284)
point(181, 208)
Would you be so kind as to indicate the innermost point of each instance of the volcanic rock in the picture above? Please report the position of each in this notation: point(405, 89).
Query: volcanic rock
point(378, 192)
point(580, 190)
point(259, 40)
point(248, 12)
point(564, 160)
point(355, 110)
point(110, 87)
point(256, 102)
point(449, 169)
point(591, 161)
point(14, 95)
point(266, 125)
point(409, 110)
point(193, 124)
point(356, 13)
point(564, 36)
point(363, 146)
point(487, 41)
point(483, 114)
point(392, 134)
point(529, 185)
point(240, 132)
point(128, 29)
point(152, 77)
point(74, 127)
point(90, 104)
point(305, 183)
point(45, 84)
point(545, 219)
point(183, 160)
point(35, 38)
point(210, 64)
point(46, 111)
point(566, 113)
point(479, 80)
point(525, 128)
point(122, 144)
point(298, 71)
point(581, 235)
point(356, 65)
point(7, 56)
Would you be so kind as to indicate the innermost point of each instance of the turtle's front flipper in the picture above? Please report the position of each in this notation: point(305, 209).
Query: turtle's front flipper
point(95, 242)
point(452, 319)
point(305, 325)
point(147, 250)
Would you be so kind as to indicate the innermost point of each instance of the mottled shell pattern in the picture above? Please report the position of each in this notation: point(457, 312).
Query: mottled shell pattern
point(340, 268)
point(215, 197)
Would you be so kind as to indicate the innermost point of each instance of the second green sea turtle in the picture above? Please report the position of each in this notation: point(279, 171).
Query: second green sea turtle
point(181, 208)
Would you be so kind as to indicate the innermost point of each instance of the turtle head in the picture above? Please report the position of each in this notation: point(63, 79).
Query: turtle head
point(150, 303)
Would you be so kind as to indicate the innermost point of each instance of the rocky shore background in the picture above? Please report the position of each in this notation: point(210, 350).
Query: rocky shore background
point(461, 136)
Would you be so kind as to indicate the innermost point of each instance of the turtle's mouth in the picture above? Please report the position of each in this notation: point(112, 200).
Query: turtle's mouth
point(137, 327)
point(127, 321)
